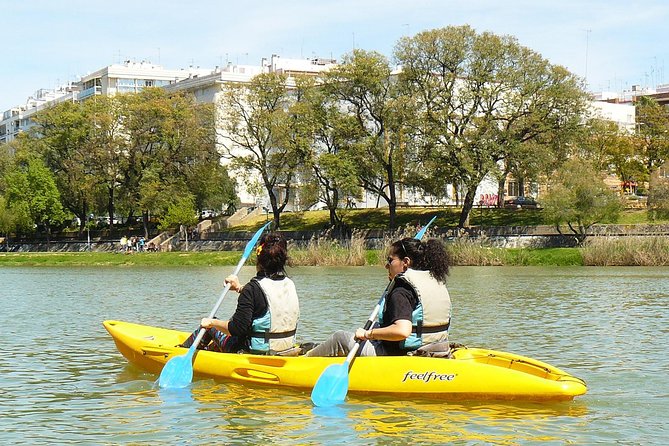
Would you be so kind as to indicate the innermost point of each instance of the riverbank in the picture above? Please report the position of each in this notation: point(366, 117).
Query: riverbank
point(538, 257)
point(597, 251)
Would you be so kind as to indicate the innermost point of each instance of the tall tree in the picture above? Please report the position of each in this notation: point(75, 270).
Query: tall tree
point(258, 135)
point(332, 159)
point(483, 100)
point(32, 195)
point(367, 90)
point(62, 136)
point(171, 139)
point(612, 149)
point(652, 134)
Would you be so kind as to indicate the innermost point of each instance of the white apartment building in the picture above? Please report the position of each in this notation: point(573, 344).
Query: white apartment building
point(622, 114)
point(127, 77)
point(131, 77)
point(18, 119)
point(210, 87)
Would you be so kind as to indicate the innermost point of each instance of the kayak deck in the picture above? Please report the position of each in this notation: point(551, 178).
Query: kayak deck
point(471, 373)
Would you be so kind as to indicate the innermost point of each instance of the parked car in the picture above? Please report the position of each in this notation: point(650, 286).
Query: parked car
point(521, 203)
point(208, 213)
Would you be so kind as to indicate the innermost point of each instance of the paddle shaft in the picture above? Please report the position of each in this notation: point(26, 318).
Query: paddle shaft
point(241, 263)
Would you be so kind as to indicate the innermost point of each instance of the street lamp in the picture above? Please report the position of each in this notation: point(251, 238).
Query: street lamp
point(88, 230)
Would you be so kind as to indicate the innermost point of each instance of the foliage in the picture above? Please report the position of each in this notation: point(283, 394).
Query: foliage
point(484, 102)
point(127, 153)
point(31, 194)
point(652, 133)
point(658, 198)
point(7, 218)
point(260, 134)
point(181, 211)
point(376, 114)
point(332, 158)
point(579, 198)
point(612, 149)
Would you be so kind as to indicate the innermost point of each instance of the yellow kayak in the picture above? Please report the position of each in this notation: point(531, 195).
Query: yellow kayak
point(471, 373)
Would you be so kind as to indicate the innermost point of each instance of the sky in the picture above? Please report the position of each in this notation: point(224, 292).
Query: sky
point(612, 44)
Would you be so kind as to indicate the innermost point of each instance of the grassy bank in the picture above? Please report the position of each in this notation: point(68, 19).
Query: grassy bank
point(118, 259)
point(331, 256)
point(598, 251)
point(363, 219)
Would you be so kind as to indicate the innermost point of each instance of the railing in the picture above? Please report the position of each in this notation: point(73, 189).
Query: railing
point(90, 92)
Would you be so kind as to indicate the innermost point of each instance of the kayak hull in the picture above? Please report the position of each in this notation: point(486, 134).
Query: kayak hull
point(472, 373)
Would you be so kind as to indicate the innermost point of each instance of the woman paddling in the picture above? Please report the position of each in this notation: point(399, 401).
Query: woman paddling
point(416, 311)
point(267, 313)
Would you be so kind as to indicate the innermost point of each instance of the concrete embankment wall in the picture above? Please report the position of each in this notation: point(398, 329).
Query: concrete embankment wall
point(505, 237)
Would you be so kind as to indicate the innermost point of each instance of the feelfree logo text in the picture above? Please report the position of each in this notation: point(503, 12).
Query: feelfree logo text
point(427, 376)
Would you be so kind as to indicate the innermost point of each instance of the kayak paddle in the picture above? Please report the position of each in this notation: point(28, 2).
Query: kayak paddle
point(332, 386)
point(178, 371)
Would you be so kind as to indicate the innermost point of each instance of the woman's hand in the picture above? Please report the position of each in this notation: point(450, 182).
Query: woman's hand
point(364, 335)
point(206, 322)
point(234, 283)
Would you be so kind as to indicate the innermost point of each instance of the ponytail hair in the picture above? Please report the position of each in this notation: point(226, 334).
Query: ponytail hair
point(272, 253)
point(430, 255)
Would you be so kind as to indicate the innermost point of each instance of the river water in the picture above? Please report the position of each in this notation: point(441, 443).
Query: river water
point(63, 382)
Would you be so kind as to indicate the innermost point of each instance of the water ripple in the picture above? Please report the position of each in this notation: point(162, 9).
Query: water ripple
point(63, 382)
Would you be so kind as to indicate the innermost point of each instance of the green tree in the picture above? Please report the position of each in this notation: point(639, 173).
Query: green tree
point(368, 91)
point(7, 223)
point(259, 135)
point(652, 134)
point(658, 198)
point(485, 103)
point(180, 213)
point(579, 198)
point(32, 195)
point(332, 158)
point(62, 137)
point(171, 139)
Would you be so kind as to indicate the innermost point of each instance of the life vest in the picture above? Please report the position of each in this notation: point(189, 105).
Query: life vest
point(432, 316)
point(275, 331)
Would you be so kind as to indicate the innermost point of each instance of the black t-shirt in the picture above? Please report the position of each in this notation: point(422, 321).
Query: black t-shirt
point(400, 303)
point(251, 305)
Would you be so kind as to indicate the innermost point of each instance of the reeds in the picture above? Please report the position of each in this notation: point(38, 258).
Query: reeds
point(626, 251)
point(326, 251)
point(466, 251)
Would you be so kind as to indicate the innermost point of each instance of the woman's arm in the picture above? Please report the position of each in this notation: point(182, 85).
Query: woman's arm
point(215, 323)
point(397, 331)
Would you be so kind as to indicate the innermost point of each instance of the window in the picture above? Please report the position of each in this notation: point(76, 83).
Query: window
point(512, 189)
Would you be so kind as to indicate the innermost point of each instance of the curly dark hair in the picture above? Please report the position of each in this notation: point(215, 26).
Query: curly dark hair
point(430, 255)
point(272, 253)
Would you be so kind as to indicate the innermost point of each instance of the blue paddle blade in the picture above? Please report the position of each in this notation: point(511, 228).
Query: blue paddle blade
point(332, 386)
point(178, 372)
point(421, 233)
point(252, 243)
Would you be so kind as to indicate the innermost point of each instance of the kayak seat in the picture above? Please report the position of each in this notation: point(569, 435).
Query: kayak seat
point(442, 349)
point(306, 346)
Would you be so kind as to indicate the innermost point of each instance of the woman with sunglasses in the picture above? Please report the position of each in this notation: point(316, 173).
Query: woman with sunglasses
point(267, 313)
point(417, 308)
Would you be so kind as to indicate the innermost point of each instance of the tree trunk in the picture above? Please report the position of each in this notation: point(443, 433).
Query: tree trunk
point(145, 223)
point(501, 184)
point(110, 209)
point(467, 207)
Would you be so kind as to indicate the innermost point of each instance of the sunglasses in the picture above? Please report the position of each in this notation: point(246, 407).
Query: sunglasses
point(389, 260)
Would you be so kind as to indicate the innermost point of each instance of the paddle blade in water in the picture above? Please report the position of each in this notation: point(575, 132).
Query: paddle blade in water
point(177, 373)
point(332, 386)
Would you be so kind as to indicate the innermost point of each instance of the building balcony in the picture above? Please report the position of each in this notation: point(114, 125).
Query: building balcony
point(97, 90)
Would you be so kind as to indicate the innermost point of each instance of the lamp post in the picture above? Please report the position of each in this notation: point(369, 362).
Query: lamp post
point(88, 230)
